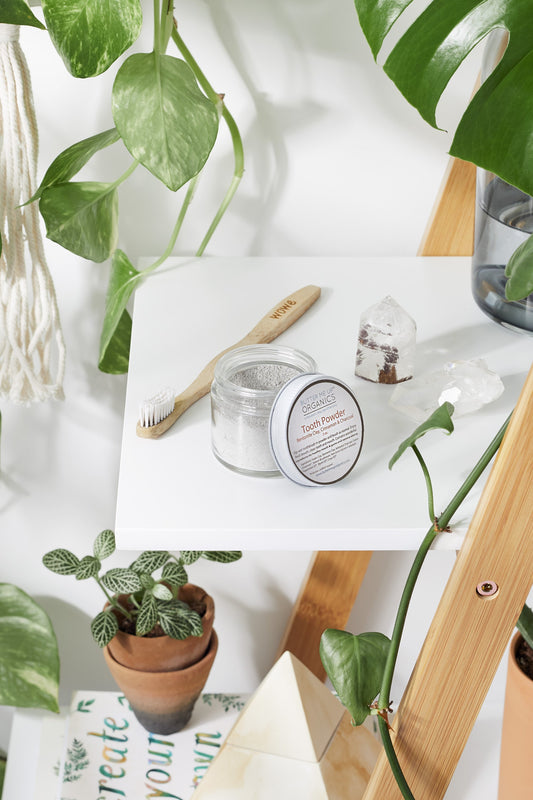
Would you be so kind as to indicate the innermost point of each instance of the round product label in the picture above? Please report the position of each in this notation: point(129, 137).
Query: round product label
point(324, 431)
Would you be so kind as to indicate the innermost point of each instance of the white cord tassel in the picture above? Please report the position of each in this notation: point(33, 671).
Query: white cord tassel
point(32, 350)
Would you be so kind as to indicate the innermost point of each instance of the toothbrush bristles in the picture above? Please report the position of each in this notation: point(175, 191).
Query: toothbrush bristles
point(156, 408)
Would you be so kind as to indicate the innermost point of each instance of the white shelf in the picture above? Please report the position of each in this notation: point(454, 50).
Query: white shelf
point(174, 494)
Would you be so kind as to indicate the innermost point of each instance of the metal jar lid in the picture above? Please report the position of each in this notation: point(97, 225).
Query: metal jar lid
point(315, 429)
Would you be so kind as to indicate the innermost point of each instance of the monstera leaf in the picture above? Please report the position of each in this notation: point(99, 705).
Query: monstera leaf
point(432, 49)
point(496, 130)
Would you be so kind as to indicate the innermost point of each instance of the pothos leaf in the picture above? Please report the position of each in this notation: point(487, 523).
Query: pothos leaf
point(519, 271)
point(70, 161)
point(82, 217)
point(355, 665)
point(16, 12)
point(90, 35)
point(29, 660)
point(116, 331)
point(441, 418)
point(166, 122)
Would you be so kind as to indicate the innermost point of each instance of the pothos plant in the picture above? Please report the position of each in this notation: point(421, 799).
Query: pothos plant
point(496, 130)
point(361, 666)
point(165, 113)
point(144, 601)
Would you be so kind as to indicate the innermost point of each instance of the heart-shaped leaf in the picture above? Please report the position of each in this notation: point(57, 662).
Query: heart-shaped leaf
point(90, 35)
point(166, 122)
point(441, 419)
point(147, 616)
point(150, 560)
point(29, 660)
point(430, 52)
point(116, 330)
point(61, 561)
point(355, 665)
point(70, 161)
point(222, 556)
point(103, 627)
point(89, 567)
point(16, 12)
point(82, 217)
point(174, 574)
point(104, 544)
point(122, 580)
point(519, 271)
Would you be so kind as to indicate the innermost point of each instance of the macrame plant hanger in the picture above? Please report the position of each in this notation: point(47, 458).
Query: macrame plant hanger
point(32, 350)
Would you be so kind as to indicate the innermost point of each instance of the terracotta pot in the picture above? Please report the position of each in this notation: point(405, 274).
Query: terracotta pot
point(515, 781)
point(163, 701)
point(162, 653)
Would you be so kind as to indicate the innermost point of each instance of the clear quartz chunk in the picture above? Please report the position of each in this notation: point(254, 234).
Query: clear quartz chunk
point(467, 384)
point(387, 343)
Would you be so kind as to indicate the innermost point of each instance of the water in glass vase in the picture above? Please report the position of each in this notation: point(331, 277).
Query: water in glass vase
point(504, 219)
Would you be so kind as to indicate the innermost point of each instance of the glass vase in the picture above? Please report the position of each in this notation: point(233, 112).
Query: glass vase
point(504, 219)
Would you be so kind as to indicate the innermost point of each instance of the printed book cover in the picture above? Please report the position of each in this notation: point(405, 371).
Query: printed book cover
point(108, 755)
point(97, 750)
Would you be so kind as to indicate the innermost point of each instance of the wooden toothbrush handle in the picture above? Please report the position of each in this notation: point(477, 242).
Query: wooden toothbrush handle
point(275, 322)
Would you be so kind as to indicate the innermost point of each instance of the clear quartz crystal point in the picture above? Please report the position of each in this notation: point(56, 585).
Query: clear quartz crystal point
point(387, 343)
point(467, 384)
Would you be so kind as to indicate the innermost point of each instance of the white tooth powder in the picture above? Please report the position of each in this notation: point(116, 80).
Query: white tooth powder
point(246, 383)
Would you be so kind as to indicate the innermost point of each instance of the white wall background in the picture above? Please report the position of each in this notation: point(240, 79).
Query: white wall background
point(337, 163)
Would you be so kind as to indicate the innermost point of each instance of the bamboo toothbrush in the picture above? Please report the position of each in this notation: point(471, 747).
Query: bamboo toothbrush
point(160, 412)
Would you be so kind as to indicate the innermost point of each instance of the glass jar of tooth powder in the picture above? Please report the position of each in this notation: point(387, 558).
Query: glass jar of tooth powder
point(244, 387)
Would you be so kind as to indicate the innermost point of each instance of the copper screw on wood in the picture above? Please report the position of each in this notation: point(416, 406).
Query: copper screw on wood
point(487, 589)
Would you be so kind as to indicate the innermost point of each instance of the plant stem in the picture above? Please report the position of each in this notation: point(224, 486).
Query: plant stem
point(112, 600)
point(429, 486)
point(440, 525)
point(177, 227)
point(125, 175)
point(157, 27)
point(238, 149)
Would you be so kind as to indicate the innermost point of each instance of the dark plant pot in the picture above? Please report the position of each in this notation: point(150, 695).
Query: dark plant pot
point(517, 731)
point(162, 653)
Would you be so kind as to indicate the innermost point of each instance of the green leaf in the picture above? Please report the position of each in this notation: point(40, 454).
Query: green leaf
point(222, 556)
point(70, 161)
point(441, 418)
point(103, 627)
point(432, 49)
point(161, 592)
point(519, 271)
point(147, 582)
point(29, 660)
point(376, 26)
point(61, 561)
point(178, 620)
point(174, 574)
point(355, 666)
point(190, 556)
point(151, 560)
point(90, 35)
point(116, 330)
point(147, 616)
point(82, 217)
point(166, 122)
point(122, 580)
point(525, 624)
point(88, 567)
point(104, 544)
point(16, 12)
